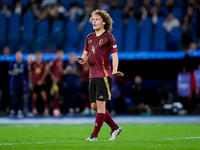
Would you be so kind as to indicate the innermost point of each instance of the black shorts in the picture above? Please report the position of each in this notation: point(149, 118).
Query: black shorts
point(38, 88)
point(100, 89)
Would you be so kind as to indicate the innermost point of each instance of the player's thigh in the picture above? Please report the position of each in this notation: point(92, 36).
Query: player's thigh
point(104, 89)
point(92, 90)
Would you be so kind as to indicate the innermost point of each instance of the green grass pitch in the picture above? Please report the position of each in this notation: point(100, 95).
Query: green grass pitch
point(138, 137)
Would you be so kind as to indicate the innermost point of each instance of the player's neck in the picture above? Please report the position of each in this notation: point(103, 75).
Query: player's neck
point(38, 61)
point(99, 32)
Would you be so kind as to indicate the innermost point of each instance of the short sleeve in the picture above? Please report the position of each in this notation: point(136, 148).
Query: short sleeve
point(86, 44)
point(113, 45)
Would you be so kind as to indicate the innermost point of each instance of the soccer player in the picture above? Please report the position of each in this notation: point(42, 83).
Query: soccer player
point(37, 75)
point(17, 71)
point(98, 46)
point(56, 73)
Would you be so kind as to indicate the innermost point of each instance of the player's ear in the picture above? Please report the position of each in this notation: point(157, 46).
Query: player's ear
point(104, 23)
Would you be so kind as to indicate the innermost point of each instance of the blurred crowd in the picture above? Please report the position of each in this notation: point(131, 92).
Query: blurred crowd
point(183, 14)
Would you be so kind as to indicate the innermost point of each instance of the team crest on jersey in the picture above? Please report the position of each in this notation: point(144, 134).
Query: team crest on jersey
point(100, 41)
point(90, 41)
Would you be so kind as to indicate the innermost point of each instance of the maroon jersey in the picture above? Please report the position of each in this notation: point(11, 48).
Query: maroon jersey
point(37, 70)
point(100, 48)
point(57, 68)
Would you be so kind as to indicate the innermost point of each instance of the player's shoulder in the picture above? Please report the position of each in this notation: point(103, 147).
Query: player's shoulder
point(90, 35)
point(110, 36)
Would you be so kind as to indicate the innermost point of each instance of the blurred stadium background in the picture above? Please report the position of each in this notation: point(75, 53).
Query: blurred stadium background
point(158, 42)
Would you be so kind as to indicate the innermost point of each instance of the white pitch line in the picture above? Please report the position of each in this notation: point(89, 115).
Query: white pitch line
point(54, 142)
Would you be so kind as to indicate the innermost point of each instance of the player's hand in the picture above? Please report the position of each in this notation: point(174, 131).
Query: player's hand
point(39, 82)
point(117, 73)
point(81, 60)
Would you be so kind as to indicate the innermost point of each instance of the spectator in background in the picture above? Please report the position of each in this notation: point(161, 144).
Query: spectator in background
point(84, 90)
point(170, 4)
point(43, 15)
point(185, 87)
point(171, 22)
point(34, 8)
point(102, 5)
point(37, 75)
point(72, 74)
point(196, 74)
point(60, 9)
point(129, 15)
point(17, 71)
point(190, 10)
point(187, 36)
point(154, 14)
point(128, 5)
point(18, 8)
point(158, 3)
point(55, 68)
point(90, 3)
point(137, 96)
point(144, 13)
point(85, 19)
point(114, 4)
point(4, 83)
point(48, 2)
point(147, 4)
point(192, 47)
point(30, 60)
point(74, 11)
point(5, 10)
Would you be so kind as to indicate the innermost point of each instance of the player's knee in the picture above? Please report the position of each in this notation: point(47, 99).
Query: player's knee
point(34, 96)
point(94, 107)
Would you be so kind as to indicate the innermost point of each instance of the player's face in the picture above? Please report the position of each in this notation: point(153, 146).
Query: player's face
point(18, 56)
point(97, 22)
point(38, 57)
point(60, 54)
point(72, 59)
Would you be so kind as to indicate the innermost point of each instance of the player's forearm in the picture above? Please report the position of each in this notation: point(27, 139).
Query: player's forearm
point(85, 54)
point(30, 77)
point(115, 62)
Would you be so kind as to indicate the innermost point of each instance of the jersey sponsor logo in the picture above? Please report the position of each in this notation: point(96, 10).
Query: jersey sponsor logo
point(93, 49)
point(37, 70)
point(90, 41)
point(100, 96)
point(100, 41)
point(114, 46)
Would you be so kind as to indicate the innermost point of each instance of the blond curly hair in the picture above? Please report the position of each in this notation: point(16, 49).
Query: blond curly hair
point(106, 18)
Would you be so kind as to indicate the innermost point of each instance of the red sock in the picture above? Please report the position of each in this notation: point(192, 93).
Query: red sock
point(100, 117)
point(56, 102)
point(110, 121)
point(34, 104)
point(46, 104)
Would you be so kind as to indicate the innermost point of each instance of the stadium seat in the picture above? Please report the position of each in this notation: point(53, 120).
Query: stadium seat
point(3, 27)
point(9, 2)
point(57, 33)
point(159, 44)
point(14, 21)
point(87, 29)
point(65, 3)
point(42, 33)
point(145, 35)
point(130, 36)
point(179, 3)
point(25, 3)
point(14, 29)
point(163, 11)
point(72, 32)
point(174, 41)
point(178, 13)
point(28, 21)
